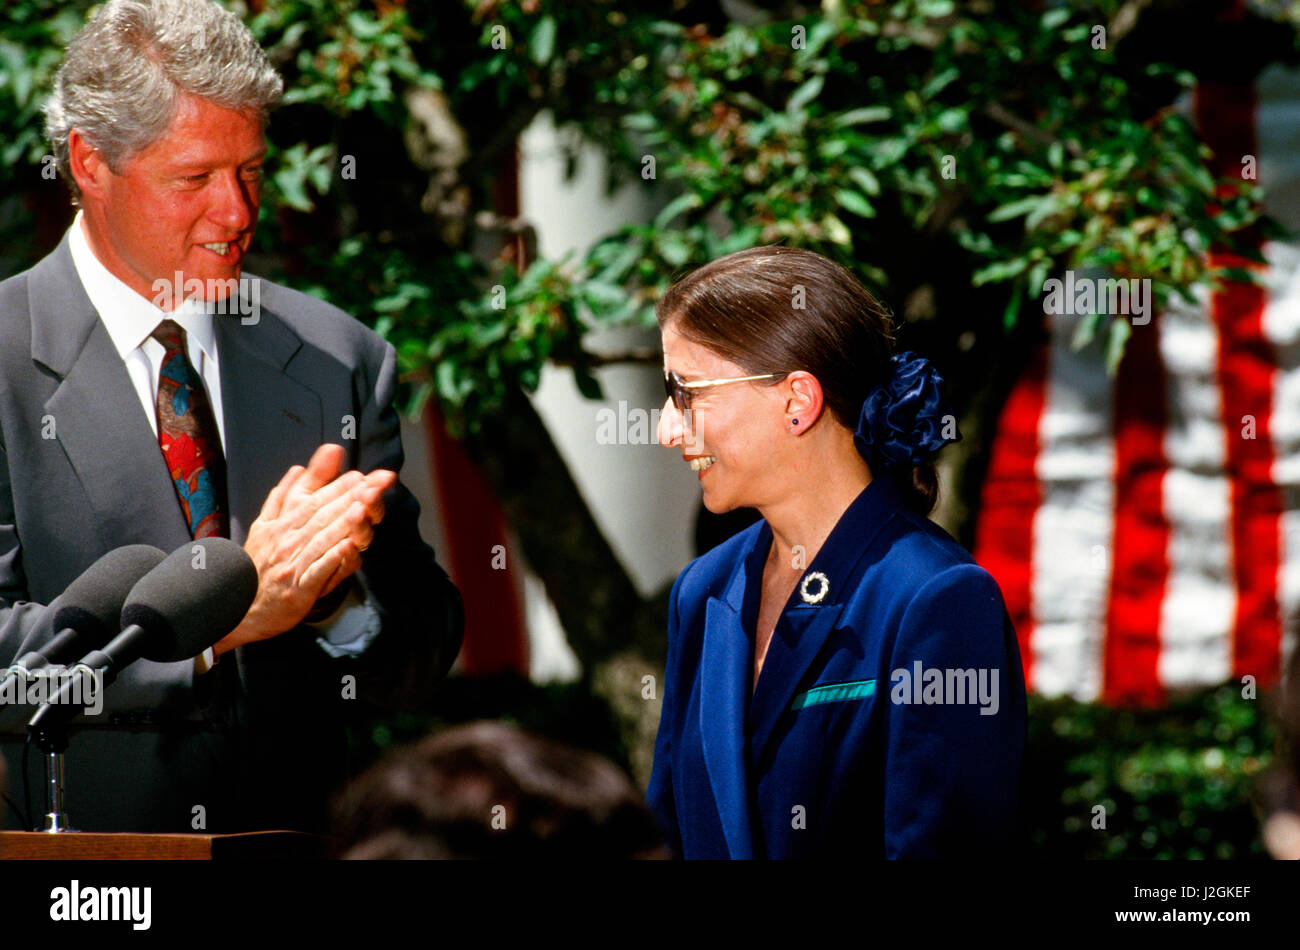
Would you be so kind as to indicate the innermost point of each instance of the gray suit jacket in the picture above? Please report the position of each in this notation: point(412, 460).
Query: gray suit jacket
point(259, 742)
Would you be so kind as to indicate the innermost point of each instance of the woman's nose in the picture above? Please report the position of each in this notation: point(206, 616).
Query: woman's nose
point(670, 425)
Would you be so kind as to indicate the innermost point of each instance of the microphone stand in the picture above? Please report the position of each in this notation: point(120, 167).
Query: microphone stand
point(53, 742)
point(49, 729)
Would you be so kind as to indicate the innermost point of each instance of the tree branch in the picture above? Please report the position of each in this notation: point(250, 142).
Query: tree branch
point(1004, 116)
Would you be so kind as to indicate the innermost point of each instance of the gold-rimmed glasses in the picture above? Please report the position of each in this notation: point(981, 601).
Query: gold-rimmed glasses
point(679, 390)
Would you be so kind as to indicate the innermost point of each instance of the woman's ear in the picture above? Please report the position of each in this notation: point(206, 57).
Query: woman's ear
point(804, 401)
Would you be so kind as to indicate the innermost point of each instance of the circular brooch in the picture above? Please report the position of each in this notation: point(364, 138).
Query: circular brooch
point(824, 588)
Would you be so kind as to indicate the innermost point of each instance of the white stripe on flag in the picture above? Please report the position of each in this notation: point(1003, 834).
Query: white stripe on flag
point(1199, 605)
point(1074, 524)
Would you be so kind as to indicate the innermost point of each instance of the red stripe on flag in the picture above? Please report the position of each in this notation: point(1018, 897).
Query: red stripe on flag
point(476, 534)
point(1225, 114)
point(1011, 496)
point(1140, 561)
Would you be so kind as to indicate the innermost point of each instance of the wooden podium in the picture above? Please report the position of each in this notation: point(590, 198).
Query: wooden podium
point(98, 846)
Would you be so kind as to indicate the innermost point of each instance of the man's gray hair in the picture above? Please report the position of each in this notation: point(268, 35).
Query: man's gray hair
point(122, 74)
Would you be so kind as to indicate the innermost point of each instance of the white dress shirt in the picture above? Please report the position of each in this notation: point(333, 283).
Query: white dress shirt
point(130, 320)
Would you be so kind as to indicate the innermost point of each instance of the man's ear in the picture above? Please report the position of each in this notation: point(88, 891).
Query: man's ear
point(805, 401)
point(89, 168)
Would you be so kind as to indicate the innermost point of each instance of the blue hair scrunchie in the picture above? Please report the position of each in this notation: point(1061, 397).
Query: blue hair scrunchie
point(902, 420)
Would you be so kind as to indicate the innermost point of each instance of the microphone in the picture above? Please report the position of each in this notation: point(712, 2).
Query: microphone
point(88, 610)
point(190, 601)
point(197, 595)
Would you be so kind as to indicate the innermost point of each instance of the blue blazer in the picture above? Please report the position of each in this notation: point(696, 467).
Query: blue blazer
point(869, 733)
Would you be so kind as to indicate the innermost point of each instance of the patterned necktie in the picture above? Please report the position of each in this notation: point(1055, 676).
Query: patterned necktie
point(187, 432)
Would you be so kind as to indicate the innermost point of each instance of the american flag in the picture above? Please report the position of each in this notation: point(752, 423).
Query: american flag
point(1144, 527)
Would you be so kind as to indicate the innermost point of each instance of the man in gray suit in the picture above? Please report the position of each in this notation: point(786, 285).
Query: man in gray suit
point(143, 316)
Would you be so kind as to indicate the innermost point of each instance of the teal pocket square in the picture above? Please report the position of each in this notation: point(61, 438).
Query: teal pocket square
point(834, 693)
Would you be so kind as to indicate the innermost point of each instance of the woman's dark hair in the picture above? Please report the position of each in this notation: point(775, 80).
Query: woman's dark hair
point(781, 309)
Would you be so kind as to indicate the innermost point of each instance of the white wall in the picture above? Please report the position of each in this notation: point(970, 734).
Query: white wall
point(642, 496)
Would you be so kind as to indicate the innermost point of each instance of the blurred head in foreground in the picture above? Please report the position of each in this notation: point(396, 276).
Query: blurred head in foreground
point(490, 790)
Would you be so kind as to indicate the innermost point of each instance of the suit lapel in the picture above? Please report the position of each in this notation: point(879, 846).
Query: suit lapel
point(272, 420)
point(803, 628)
point(724, 684)
point(100, 424)
point(799, 636)
point(97, 417)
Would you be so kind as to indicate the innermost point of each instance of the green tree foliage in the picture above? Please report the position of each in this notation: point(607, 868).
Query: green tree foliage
point(939, 148)
point(1171, 783)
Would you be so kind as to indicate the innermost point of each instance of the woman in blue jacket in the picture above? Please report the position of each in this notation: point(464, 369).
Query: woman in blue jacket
point(842, 678)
